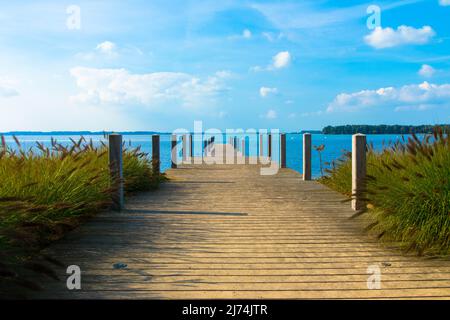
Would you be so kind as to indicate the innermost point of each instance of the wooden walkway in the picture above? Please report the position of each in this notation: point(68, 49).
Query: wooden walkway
point(225, 231)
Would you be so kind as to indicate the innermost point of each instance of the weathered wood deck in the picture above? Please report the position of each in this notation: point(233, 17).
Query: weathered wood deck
point(225, 231)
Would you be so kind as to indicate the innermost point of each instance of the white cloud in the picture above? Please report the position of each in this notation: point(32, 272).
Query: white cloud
point(408, 97)
point(153, 90)
point(247, 34)
point(106, 47)
point(312, 113)
point(279, 61)
point(270, 114)
point(387, 37)
point(265, 91)
point(444, 2)
point(427, 71)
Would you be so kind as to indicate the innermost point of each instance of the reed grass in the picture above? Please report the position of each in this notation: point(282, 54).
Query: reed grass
point(408, 192)
point(46, 190)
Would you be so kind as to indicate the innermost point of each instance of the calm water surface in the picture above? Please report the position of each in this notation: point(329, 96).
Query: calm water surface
point(335, 145)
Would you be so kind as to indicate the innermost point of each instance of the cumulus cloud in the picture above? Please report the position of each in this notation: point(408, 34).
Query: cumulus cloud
point(444, 2)
point(265, 91)
point(153, 90)
point(427, 71)
point(409, 97)
point(279, 61)
point(381, 38)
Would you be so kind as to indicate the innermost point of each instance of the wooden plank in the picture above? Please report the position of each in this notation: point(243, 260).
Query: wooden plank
point(225, 231)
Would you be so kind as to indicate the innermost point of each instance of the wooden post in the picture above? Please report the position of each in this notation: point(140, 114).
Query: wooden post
point(224, 149)
point(358, 170)
point(269, 140)
point(243, 147)
point(261, 149)
point(174, 151)
point(306, 156)
point(191, 147)
point(184, 150)
point(283, 150)
point(235, 149)
point(247, 149)
point(116, 170)
point(155, 155)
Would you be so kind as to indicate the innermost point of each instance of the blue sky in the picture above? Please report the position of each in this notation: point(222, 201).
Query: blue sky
point(160, 65)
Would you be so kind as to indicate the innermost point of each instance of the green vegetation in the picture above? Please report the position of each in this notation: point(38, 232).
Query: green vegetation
point(408, 192)
point(382, 129)
point(46, 192)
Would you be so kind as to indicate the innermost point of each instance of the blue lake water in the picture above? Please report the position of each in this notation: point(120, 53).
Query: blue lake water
point(334, 146)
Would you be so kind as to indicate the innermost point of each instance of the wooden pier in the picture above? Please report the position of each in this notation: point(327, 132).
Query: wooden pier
point(226, 231)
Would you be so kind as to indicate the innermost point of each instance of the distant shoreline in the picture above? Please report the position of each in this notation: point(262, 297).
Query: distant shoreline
point(328, 130)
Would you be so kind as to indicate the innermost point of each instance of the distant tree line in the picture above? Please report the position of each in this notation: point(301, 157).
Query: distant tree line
point(382, 129)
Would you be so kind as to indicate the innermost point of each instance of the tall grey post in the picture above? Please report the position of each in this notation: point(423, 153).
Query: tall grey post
point(174, 151)
point(261, 149)
point(191, 147)
point(243, 151)
point(155, 155)
point(358, 170)
point(283, 150)
point(184, 150)
point(116, 170)
point(306, 156)
point(235, 150)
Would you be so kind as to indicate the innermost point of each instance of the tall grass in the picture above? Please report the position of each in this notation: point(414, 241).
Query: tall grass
point(408, 192)
point(45, 190)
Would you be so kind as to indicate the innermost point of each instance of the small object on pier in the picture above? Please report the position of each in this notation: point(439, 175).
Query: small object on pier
point(119, 265)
